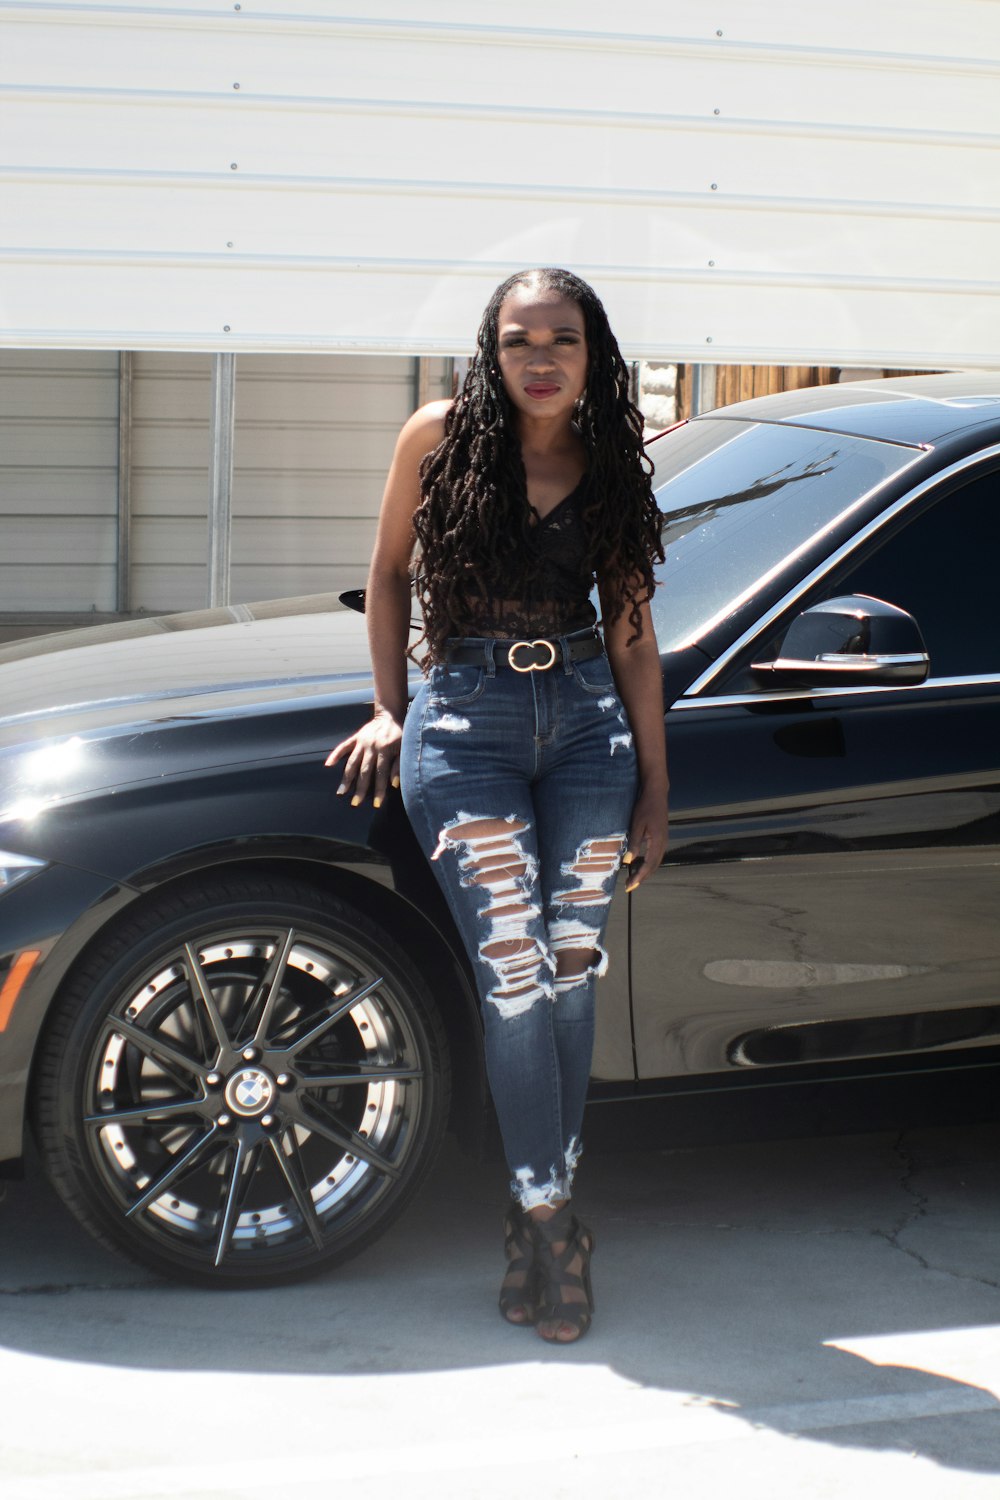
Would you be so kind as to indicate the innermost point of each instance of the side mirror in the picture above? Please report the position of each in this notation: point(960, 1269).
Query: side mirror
point(355, 599)
point(849, 642)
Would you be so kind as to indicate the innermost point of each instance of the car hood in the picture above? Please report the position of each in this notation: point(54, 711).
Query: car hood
point(147, 699)
point(158, 668)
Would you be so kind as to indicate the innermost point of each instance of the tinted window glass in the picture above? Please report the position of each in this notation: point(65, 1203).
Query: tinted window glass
point(739, 499)
point(942, 567)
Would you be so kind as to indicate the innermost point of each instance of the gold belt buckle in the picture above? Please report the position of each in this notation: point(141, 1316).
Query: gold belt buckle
point(532, 665)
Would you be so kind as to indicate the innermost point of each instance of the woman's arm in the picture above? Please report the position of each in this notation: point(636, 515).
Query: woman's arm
point(639, 680)
point(373, 751)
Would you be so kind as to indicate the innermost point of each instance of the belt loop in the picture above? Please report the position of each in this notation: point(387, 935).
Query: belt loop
point(567, 659)
point(491, 666)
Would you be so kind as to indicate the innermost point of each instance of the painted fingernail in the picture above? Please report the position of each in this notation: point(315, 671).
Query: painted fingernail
point(377, 801)
point(395, 781)
point(342, 788)
point(627, 857)
point(355, 801)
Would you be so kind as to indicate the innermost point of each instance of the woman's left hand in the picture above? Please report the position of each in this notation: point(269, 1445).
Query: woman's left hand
point(647, 839)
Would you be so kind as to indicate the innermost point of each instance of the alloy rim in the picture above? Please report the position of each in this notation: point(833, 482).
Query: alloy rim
point(254, 1093)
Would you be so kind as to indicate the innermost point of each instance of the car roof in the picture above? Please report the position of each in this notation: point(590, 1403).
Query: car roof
point(923, 410)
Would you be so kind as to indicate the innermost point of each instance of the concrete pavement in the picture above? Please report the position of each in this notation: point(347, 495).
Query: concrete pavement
point(811, 1318)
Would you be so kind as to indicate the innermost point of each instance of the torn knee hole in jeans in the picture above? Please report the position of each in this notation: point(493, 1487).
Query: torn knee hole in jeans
point(578, 947)
point(576, 941)
point(493, 858)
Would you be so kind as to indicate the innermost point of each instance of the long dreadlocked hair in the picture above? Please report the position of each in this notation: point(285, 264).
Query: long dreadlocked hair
point(473, 519)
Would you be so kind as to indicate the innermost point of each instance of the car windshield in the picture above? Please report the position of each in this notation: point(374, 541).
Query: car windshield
point(739, 499)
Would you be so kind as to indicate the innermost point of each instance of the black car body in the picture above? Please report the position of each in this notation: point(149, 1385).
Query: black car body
point(234, 1007)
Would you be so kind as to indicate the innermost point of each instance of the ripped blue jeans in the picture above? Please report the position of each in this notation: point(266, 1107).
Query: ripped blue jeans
point(520, 788)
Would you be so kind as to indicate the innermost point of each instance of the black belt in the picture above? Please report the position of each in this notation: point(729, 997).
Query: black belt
point(526, 656)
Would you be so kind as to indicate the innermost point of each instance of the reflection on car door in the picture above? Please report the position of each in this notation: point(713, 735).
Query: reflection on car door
point(834, 874)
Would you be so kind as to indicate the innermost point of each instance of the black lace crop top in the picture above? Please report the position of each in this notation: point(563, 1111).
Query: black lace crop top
point(549, 598)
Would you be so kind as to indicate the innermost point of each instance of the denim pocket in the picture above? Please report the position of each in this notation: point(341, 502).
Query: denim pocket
point(594, 675)
point(456, 683)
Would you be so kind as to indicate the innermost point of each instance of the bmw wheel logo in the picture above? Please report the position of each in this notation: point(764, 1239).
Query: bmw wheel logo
point(250, 1091)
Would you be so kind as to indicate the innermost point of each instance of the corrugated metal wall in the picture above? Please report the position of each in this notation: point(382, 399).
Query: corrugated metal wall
point(58, 480)
point(745, 182)
point(314, 436)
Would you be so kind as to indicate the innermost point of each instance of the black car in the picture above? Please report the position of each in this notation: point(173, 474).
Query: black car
point(233, 1009)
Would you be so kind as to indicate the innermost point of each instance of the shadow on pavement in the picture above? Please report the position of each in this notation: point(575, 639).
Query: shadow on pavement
point(841, 1288)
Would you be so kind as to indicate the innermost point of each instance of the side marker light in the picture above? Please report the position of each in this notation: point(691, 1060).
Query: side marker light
point(13, 984)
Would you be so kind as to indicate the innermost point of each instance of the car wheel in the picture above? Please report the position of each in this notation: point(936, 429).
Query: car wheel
point(244, 1085)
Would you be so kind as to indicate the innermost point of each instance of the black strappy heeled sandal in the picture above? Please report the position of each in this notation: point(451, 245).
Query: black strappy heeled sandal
point(555, 1277)
point(519, 1289)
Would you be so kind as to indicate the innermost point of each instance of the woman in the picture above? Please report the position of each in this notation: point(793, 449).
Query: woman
point(532, 759)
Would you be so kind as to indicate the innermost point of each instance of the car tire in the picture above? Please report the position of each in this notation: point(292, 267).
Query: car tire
point(243, 1085)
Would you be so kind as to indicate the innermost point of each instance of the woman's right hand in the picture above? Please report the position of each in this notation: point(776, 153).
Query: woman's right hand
point(372, 751)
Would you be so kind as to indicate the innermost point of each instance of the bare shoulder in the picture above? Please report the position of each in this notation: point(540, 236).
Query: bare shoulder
point(421, 433)
point(419, 436)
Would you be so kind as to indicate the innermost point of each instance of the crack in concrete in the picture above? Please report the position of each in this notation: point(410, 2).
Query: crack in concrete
point(919, 1209)
point(918, 1206)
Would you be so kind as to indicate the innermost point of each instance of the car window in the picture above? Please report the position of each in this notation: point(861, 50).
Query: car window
point(942, 567)
point(739, 499)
